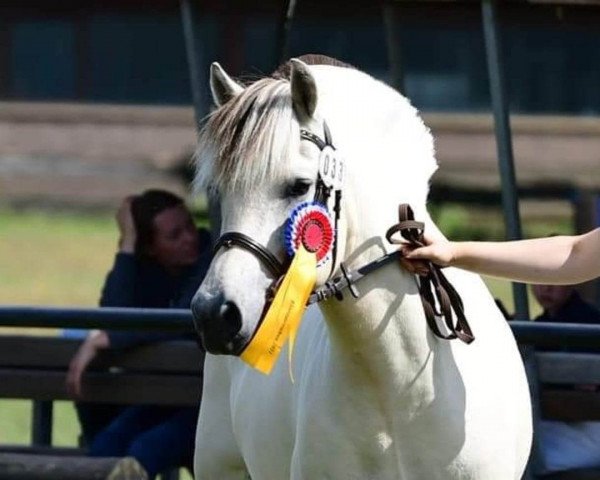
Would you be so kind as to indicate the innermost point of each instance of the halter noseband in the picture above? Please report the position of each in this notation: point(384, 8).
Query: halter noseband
point(241, 240)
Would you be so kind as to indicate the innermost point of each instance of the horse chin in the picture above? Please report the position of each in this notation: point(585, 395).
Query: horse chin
point(233, 347)
point(219, 322)
point(238, 343)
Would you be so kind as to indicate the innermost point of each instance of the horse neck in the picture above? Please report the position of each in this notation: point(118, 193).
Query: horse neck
point(389, 159)
point(378, 345)
point(385, 327)
point(383, 330)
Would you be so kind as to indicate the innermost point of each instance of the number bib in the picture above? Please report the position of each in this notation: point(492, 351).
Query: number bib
point(331, 168)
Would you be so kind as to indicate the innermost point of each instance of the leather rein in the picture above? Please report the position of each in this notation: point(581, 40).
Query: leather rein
point(434, 288)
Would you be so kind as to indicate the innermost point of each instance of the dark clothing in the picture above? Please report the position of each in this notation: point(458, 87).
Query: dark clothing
point(143, 431)
point(95, 417)
point(575, 310)
point(134, 283)
point(158, 437)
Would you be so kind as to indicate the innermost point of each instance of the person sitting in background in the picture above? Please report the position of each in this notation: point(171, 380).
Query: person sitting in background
point(161, 260)
point(567, 445)
point(562, 303)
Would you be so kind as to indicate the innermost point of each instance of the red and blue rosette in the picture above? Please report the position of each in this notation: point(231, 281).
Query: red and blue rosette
point(310, 225)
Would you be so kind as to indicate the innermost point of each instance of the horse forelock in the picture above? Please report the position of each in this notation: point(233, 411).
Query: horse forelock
point(247, 139)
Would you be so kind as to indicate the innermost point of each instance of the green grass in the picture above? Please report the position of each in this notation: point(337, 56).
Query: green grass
point(61, 259)
point(476, 223)
point(54, 259)
point(16, 423)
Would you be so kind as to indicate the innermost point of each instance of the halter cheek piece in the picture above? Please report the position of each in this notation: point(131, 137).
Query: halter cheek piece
point(434, 288)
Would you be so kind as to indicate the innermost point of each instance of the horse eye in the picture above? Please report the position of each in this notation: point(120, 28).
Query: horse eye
point(298, 188)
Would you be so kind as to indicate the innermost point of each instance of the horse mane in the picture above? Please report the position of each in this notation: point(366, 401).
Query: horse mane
point(248, 138)
point(244, 140)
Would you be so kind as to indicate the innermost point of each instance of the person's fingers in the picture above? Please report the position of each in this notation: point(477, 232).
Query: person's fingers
point(416, 253)
point(407, 265)
point(406, 250)
point(417, 267)
point(77, 367)
point(77, 386)
point(76, 383)
point(422, 268)
point(72, 382)
point(126, 203)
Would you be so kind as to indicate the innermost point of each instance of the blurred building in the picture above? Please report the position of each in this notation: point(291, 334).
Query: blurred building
point(95, 95)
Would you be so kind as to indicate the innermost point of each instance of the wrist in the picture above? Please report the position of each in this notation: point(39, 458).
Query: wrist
point(127, 244)
point(454, 251)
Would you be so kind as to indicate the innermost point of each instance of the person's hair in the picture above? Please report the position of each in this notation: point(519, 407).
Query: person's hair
point(144, 209)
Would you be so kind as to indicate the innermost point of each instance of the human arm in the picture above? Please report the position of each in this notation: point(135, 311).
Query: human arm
point(127, 231)
point(119, 287)
point(557, 260)
point(95, 341)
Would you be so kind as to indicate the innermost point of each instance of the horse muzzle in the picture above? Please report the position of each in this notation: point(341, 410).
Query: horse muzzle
point(218, 322)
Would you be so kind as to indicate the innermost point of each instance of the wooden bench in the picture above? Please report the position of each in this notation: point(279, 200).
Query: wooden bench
point(14, 466)
point(34, 368)
point(166, 373)
point(557, 373)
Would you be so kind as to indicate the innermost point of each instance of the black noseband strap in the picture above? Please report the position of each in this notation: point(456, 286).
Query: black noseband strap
point(237, 239)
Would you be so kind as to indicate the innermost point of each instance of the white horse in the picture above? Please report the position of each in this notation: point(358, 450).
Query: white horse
point(375, 394)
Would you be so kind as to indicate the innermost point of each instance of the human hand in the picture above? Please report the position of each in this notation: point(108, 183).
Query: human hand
point(96, 340)
point(126, 225)
point(417, 267)
point(437, 250)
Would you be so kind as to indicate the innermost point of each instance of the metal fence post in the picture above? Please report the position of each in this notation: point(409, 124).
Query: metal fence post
point(41, 423)
point(284, 27)
point(392, 34)
point(190, 14)
point(510, 200)
point(503, 141)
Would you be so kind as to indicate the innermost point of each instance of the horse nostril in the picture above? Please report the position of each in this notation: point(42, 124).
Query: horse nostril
point(218, 323)
point(231, 318)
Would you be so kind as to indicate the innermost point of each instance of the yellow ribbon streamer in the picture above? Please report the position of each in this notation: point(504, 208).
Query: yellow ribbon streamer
point(285, 314)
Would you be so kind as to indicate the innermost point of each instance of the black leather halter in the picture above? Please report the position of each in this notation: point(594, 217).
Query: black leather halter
point(241, 240)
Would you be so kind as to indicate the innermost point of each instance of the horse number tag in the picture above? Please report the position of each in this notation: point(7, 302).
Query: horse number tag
point(331, 168)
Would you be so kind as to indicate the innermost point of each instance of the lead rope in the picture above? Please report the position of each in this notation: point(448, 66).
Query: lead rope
point(447, 297)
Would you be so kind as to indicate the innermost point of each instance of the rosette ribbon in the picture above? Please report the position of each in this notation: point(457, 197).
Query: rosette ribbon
point(282, 320)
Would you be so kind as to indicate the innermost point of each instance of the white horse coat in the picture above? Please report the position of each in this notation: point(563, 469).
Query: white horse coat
point(375, 394)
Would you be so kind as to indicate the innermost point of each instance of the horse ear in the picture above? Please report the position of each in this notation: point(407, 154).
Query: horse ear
point(222, 86)
point(304, 90)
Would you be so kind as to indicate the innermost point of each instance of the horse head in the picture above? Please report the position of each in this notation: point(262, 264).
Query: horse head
point(276, 148)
